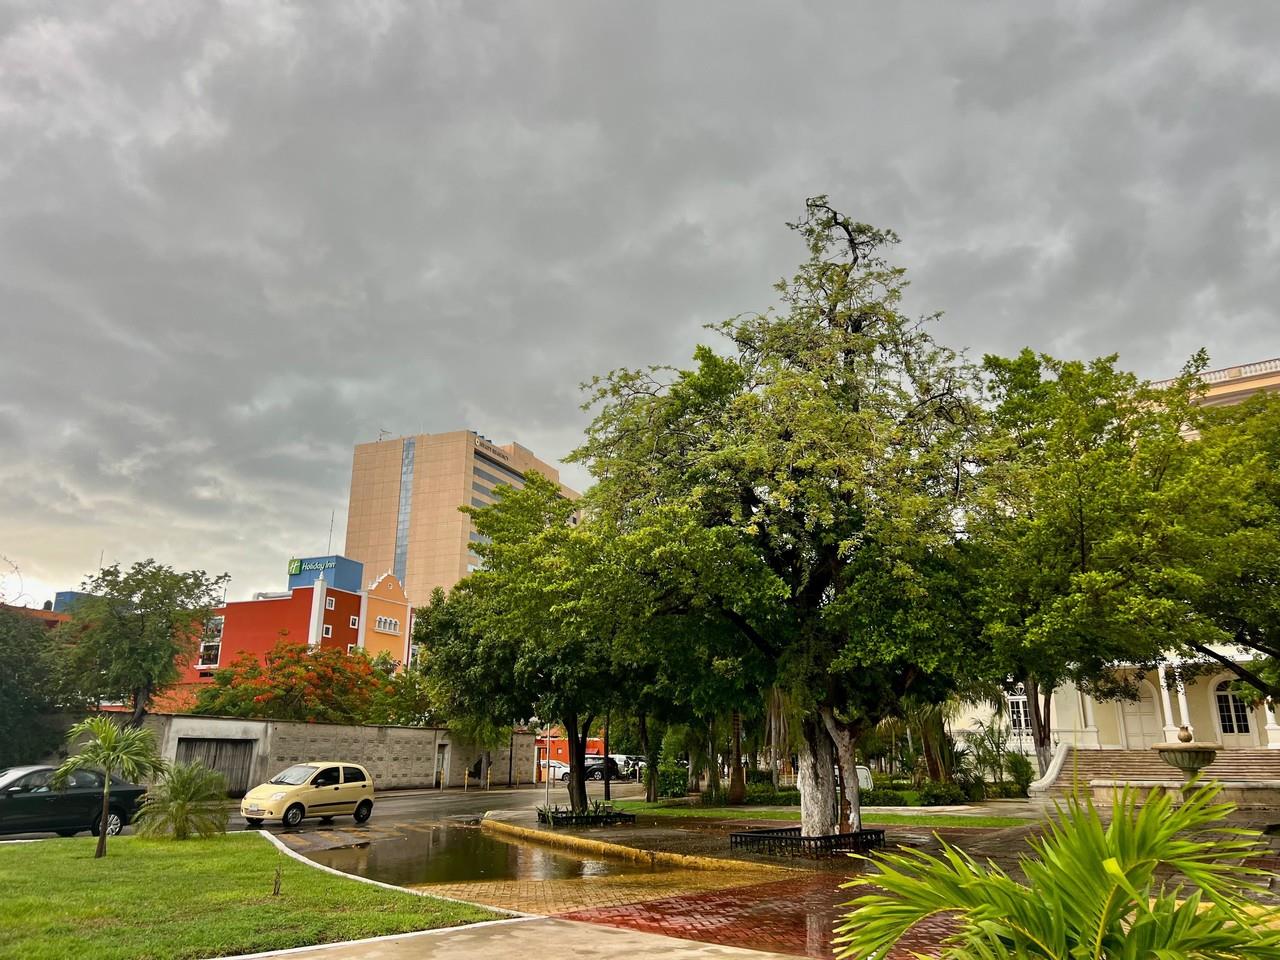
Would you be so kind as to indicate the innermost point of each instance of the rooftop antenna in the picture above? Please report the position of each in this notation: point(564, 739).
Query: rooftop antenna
point(329, 548)
point(382, 434)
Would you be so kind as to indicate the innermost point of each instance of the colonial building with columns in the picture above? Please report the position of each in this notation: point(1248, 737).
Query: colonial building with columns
point(1103, 741)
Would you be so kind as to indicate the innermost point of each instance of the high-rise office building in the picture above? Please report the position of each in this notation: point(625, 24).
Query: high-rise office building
point(403, 514)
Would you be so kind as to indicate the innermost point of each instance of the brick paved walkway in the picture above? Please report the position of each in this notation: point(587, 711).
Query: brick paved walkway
point(559, 897)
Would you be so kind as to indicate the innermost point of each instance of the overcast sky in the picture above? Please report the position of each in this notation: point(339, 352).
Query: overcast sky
point(238, 238)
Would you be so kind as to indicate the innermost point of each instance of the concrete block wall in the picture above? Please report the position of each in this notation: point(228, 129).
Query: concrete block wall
point(397, 757)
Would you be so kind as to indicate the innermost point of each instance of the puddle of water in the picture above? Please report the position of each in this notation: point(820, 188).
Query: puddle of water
point(444, 853)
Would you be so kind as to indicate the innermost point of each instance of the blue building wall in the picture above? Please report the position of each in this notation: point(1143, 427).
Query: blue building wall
point(340, 572)
point(65, 600)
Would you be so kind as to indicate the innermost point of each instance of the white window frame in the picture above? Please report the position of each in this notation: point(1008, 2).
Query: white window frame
point(327, 631)
point(355, 623)
point(328, 603)
point(212, 638)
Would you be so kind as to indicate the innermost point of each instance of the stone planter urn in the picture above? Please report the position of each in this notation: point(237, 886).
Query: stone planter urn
point(1189, 756)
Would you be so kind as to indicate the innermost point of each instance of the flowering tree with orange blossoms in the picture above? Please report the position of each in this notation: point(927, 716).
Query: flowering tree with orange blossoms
point(297, 683)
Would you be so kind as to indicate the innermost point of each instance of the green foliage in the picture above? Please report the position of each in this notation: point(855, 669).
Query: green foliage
point(28, 690)
point(763, 794)
point(111, 749)
point(797, 493)
point(127, 640)
point(1160, 880)
point(934, 794)
point(296, 682)
point(673, 781)
point(1021, 772)
point(884, 797)
point(190, 800)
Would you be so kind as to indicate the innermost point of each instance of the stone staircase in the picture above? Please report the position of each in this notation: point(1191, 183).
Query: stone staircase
point(1082, 766)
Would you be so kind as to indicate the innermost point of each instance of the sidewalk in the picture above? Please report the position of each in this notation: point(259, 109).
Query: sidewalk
point(534, 936)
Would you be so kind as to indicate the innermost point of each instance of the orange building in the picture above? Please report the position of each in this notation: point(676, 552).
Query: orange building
point(386, 619)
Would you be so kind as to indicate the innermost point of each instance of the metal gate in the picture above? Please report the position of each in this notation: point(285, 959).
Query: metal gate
point(232, 758)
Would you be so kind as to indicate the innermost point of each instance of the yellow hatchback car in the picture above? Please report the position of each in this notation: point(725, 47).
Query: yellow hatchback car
point(320, 788)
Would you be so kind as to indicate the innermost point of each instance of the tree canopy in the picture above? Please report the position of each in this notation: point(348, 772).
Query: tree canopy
point(127, 639)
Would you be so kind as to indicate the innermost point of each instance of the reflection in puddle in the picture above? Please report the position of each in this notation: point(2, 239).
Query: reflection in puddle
point(444, 853)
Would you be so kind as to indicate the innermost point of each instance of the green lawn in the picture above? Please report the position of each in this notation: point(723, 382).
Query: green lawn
point(198, 898)
point(793, 814)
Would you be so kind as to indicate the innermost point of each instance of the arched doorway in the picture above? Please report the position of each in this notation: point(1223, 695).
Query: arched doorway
point(1237, 725)
point(1142, 727)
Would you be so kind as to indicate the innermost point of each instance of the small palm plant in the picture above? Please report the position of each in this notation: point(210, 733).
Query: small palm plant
point(191, 800)
point(129, 752)
point(1159, 881)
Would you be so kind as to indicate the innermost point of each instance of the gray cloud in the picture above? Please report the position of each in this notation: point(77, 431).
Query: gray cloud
point(238, 238)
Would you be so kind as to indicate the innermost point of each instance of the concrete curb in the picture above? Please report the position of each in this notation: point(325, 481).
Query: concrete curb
point(290, 852)
point(621, 851)
point(291, 951)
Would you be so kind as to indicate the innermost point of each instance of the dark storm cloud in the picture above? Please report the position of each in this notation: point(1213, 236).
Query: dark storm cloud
point(238, 238)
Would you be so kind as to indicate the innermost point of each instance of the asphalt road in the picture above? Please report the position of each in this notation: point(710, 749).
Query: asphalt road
point(427, 805)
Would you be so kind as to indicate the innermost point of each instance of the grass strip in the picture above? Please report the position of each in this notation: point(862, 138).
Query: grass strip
point(165, 900)
point(766, 813)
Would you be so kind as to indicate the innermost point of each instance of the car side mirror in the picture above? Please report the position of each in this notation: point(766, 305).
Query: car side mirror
point(16, 788)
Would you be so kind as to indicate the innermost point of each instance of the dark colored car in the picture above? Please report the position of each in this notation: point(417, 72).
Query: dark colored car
point(30, 804)
point(595, 769)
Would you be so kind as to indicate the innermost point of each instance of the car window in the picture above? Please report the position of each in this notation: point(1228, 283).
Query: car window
point(37, 782)
point(353, 775)
point(85, 780)
point(328, 777)
point(298, 773)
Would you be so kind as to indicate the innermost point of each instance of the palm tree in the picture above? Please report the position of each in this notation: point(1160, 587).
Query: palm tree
point(191, 799)
point(111, 749)
point(1092, 890)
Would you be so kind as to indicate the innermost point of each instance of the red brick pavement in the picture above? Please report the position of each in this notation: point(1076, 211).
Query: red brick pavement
point(787, 916)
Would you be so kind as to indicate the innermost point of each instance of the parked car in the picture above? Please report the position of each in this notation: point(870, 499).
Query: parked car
point(319, 788)
point(559, 769)
point(29, 803)
point(632, 766)
point(595, 768)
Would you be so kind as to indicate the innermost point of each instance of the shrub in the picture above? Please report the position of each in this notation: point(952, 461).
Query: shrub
point(934, 794)
point(191, 800)
point(759, 776)
point(884, 797)
point(765, 795)
point(1021, 771)
point(1159, 880)
point(673, 780)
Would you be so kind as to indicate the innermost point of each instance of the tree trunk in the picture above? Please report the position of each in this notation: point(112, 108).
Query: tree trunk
point(607, 795)
point(842, 737)
point(1041, 729)
point(577, 761)
point(650, 761)
point(816, 781)
point(101, 851)
point(141, 698)
point(737, 776)
point(713, 761)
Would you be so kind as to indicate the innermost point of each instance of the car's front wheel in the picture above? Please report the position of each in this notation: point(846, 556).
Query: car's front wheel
point(364, 810)
point(293, 816)
point(565, 776)
point(596, 775)
point(115, 823)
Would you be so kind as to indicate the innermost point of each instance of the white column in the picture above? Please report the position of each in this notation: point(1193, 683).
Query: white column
point(1170, 728)
point(1273, 728)
point(1089, 735)
point(315, 631)
point(1184, 713)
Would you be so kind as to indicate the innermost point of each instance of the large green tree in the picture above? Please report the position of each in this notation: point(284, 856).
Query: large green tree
point(825, 451)
point(530, 633)
point(29, 690)
point(1107, 534)
point(127, 639)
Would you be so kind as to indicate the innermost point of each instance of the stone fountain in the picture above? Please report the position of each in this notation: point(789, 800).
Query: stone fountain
point(1188, 755)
